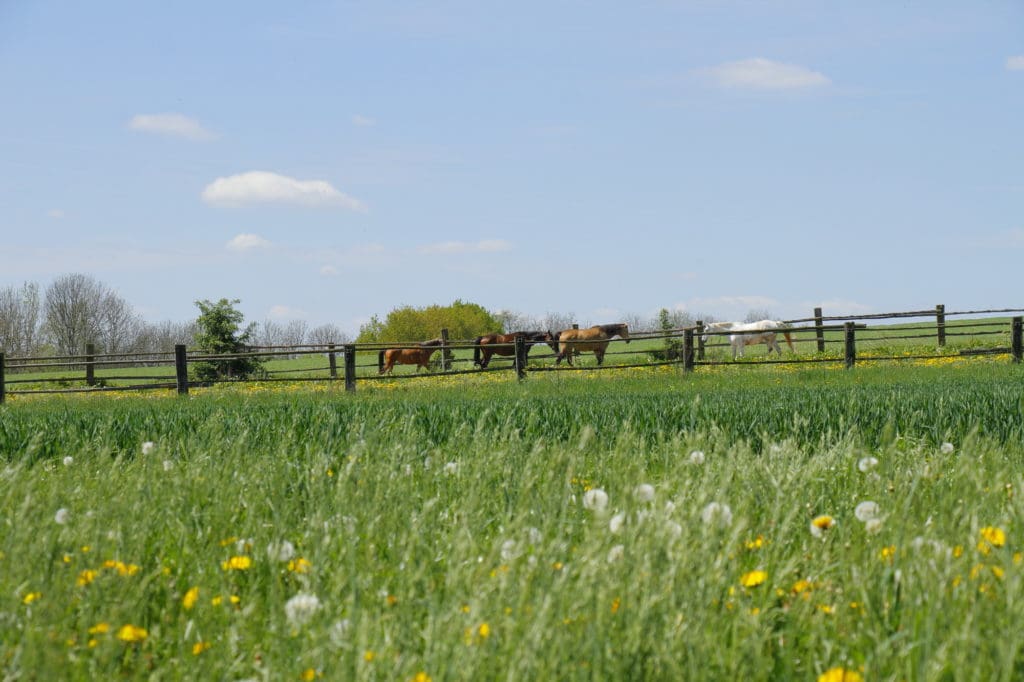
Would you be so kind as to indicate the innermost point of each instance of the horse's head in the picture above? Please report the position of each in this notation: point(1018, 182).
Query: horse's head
point(623, 331)
point(712, 327)
point(551, 338)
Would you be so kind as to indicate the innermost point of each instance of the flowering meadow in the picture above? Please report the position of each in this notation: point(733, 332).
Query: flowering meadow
point(766, 525)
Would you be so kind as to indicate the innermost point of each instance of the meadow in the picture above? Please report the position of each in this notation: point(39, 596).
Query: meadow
point(762, 523)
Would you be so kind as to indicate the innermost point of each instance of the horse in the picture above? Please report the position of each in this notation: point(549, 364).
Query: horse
point(420, 357)
point(591, 339)
point(504, 344)
point(750, 333)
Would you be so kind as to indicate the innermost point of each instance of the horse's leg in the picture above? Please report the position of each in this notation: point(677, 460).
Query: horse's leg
point(485, 357)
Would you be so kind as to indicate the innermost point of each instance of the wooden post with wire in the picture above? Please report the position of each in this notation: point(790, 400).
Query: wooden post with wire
point(446, 353)
point(940, 323)
point(332, 361)
point(1016, 344)
point(688, 350)
point(851, 345)
point(349, 356)
point(520, 358)
point(90, 366)
point(181, 368)
point(700, 339)
point(819, 332)
point(3, 388)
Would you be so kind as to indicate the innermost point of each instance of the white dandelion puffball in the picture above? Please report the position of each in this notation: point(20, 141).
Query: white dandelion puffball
point(617, 522)
point(644, 492)
point(281, 551)
point(697, 457)
point(509, 550)
point(872, 526)
point(946, 448)
point(595, 499)
point(615, 553)
point(168, 465)
point(717, 514)
point(673, 529)
point(534, 535)
point(866, 511)
point(301, 608)
point(148, 447)
point(62, 516)
point(69, 460)
point(451, 468)
point(339, 632)
point(866, 464)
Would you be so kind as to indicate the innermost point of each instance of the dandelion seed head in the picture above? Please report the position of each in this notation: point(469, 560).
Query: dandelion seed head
point(451, 468)
point(617, 522)
point(168, 465)
point(697, 457)
point(866, 464)
point(595, 499)
point(281, 551)
point(866, 511)
point(148, 447)
point(717, 514)
point(873, 525)
point(62, 516)
point(616, 553)
point(644, 492)
point(301, 608)
point(69, 460)
point(947, 448)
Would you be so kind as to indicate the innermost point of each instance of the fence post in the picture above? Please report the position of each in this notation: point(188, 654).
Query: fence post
point(700, 339)
point(349, 351)
point(90, 368)
point(819, 332)
point(446, 354)
point(940, 323)
point(575, 349)
point(521, 350)
point(687, 350)
point(332, 360)
point(851, 344)
point(181, 368)
point(1016, 345)
point(3, 388)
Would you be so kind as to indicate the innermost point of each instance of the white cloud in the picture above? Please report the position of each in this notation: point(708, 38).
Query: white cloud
point(1015, 63)
point(329, 271)
point(176, 125)
point(247, 242)
point(456, 247)
point(283, 312)
point(260, 187)
point(363, 121)
point(55, 213)
point(1004, 239)
point(764, 74)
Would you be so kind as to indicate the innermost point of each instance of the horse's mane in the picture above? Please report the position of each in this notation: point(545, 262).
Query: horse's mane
point(611, 329)
point(432, 342)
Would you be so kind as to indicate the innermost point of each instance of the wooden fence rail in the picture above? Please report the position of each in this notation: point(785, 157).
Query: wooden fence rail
point(689, 342)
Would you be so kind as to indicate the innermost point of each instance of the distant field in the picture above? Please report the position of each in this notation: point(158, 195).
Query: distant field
point(638, 524)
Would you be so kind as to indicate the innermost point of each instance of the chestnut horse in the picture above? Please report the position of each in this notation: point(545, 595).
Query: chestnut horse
point(591, 339)
point(504, 344)
point(420, 357)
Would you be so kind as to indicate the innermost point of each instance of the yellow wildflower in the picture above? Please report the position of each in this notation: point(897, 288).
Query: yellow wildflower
point(308, 675)
point(130, 633)
point(369, 656)
point(299, 565)
point(200, 647)
point(840, 674)
point(99, 629)
point(31, 597)
point(190, 598)
point(484, 630)
point(992, 536)
point(85, 577)
point(753, 578)
point(421, 677)
point(237, 563)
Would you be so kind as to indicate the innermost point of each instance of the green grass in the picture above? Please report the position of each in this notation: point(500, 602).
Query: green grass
point(428, 510)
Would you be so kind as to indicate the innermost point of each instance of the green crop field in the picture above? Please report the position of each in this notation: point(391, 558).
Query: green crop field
point(761, 523)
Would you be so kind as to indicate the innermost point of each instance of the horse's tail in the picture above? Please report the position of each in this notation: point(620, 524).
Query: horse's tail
point(476, 350)
point(789, 341)
point(380, 362)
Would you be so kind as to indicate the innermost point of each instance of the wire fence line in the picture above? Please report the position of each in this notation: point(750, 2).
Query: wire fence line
point(687, 347)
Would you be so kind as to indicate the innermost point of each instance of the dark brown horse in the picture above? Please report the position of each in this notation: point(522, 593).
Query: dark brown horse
point(591, 339)
point(420, 357)
point(504, 344)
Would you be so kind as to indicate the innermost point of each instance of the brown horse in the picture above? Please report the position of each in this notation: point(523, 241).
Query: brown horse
point(420, 357)
point(504, 344)
point(591, 339)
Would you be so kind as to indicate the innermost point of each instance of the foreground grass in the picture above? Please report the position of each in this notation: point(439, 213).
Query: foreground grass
point(442, 532)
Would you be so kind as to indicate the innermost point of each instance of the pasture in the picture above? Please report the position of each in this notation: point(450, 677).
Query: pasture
point(625, 525)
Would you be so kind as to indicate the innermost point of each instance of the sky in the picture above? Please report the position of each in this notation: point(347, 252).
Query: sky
point(329, 161)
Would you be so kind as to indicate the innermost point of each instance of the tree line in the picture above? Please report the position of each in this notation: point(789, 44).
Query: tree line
point(77, 309)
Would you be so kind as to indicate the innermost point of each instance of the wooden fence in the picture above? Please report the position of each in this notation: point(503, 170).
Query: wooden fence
point(686, 347)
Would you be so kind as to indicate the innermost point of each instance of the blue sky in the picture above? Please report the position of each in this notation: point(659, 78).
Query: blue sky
point(329, 161)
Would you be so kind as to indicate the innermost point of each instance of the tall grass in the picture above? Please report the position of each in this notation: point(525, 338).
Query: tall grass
point(444, 532)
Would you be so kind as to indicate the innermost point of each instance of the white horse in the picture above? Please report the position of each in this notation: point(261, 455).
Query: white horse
point(750, 333)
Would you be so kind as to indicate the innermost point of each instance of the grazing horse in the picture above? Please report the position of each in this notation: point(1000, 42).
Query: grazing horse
point(420, 357)
point(591, 339)
point(750, 333)
point(504, 344)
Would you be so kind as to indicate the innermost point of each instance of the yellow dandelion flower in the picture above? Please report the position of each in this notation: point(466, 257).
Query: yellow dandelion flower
point(465, 608)
point(200, 647)
point(840, 674)
point(391, 600)
point(217, 601)
point(130, 633)
point(421, 676)
point(826, 608)
point(369, 656)
point(99, 629)
point(801, 586)
point(820, 524)
point(66, 558)
point(484, 630)
point(85, 577)
point(308, 675)
point(235, 599)
point(887, 553)
point(190, 598)
point(615, 605)
point(228, 541)
point(299, 565)
point(237, 563)
point(31, 597)
point(992, 536)
point(753, 578)
point(558, 565)
point(756, 543)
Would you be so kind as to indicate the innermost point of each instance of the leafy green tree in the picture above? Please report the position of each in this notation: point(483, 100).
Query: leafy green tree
point(219, 332)
point(462, 319)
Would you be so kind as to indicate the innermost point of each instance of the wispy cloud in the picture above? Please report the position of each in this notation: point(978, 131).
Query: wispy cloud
point(55, 213)
point(759, 73)
point(363, 121)
point(1004, 239)
point(283, 312)
point(456, 247)
point(1015, 63)
point(247, 242)
point(175, 125)
point(262, 187)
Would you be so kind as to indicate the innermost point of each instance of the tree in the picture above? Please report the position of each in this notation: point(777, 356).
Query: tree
point(219, 333)
point(462, 320)
point(326, 334)
point(19, 319)
point(71, 311)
